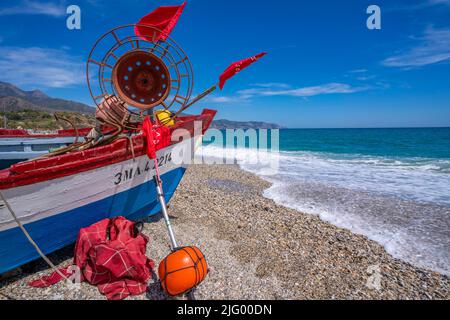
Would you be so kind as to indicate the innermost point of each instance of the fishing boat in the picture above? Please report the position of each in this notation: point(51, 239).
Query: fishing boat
point(134, 72)
point(55, 197)
point(20, 145)
point(105, 174)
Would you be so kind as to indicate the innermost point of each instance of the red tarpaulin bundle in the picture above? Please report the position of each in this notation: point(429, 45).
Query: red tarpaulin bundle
point(163, 18)
point(235, 67)
point(111, 256)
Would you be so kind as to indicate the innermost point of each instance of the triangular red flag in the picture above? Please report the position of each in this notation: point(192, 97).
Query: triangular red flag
point(162, 18)
point(147, 130)
point(236, 67)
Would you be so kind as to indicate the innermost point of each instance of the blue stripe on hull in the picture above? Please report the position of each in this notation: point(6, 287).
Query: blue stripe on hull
point(58, 231)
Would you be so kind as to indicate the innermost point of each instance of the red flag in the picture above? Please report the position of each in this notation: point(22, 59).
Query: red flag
point(147, 130)
point(157, 137)
point(237, 67)
point(163, 18)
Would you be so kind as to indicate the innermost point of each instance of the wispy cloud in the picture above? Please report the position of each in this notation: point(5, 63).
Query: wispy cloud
point(40, 67)
point(358, 71)
point(285, 90)
point(365, 78)
point(97, 3)
point(434, 2)
point(433, 47)
point(33, 7)
point(272, 85)
point(329, 88)
point(426, 4)
point(223, 99)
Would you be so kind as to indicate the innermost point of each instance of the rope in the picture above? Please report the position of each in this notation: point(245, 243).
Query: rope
point(30, 239)
point(130, 140)
point(57, 117)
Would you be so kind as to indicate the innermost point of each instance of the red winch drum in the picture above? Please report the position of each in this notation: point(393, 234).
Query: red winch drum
point(141, 79)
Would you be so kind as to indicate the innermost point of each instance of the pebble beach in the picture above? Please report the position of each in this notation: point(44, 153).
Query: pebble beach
point(256, 249)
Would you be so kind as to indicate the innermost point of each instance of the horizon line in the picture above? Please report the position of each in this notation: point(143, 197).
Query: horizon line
point(334, 128)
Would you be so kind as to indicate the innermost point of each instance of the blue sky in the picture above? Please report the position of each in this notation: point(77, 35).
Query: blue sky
point(324, 68)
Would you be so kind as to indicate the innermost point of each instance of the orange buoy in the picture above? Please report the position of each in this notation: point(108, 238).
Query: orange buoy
point(182, 270)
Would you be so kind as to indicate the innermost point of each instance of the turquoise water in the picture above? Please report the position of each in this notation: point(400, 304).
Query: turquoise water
point(391, 185)
point(404, 142)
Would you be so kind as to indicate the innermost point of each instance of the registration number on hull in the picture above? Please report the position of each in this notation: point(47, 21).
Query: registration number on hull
point(129, 174)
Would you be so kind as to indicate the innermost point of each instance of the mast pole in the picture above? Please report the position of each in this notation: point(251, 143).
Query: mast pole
point(195, 100)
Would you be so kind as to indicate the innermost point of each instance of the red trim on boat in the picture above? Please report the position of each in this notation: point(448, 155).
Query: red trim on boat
point(13, 132)
point(16, 133)
point(30, 172)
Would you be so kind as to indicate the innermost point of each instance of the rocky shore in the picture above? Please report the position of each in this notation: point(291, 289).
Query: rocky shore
point(257, 249)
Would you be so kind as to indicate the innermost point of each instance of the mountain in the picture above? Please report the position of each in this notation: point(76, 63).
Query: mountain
point(14, 99)
point(228, 124)
point(21, 107)
point(11, 104)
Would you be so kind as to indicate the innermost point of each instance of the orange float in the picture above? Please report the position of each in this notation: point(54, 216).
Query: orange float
point(182, 270)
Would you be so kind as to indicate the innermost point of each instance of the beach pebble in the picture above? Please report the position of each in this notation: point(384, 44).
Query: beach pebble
point(256, 249)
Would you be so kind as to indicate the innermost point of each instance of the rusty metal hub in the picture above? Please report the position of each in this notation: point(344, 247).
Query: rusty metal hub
point(141, 79)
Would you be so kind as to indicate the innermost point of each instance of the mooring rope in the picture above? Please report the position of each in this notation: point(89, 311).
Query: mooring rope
point(30, 239)
point(130, 140)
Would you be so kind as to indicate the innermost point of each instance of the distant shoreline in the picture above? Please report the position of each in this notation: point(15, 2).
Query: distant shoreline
point(369, 128)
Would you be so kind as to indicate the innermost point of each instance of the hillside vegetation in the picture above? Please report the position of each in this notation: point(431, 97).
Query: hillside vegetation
point(43, 120)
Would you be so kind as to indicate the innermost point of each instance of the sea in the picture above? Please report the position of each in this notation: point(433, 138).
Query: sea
point(391, 185)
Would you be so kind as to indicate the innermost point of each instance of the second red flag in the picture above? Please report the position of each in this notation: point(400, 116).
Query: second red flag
point(236, 67)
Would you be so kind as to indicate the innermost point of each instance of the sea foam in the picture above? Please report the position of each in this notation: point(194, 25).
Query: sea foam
point(402, 203)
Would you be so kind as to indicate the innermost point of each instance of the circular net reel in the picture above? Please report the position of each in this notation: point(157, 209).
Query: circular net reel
point(126, 72)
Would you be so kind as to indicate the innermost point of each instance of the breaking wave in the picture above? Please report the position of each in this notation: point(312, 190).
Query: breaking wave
point(402, 203)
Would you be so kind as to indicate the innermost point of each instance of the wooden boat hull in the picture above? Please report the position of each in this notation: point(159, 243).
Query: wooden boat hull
point(16, 149)
point(19, 145)
point(54, 210)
